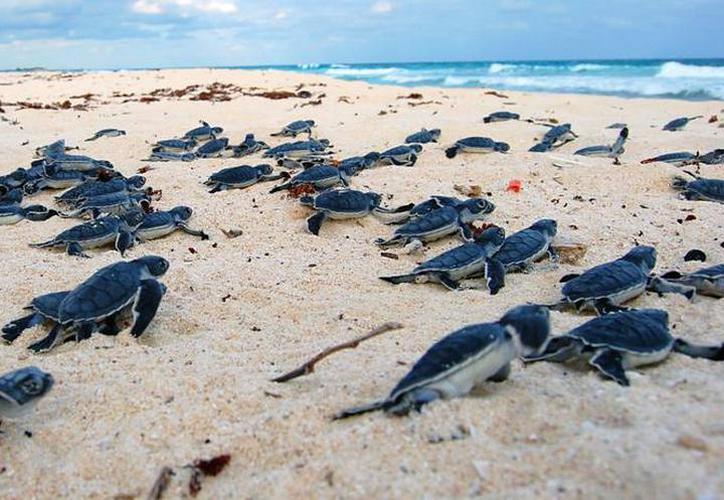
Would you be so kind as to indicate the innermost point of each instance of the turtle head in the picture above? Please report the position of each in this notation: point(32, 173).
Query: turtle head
point(643, 256)
point(417, 148)
point(136, 181)
point(323, 142)
point(372, 157)
point(216, 130)
point(249, 138)
point(311, 123)
point(531, 323)
point(25, 386)
point(502, 147)
point(493, 236)
point(133, 217)
point(265, 169)
point(474, 209)
point(546, 226)
point(156, 266)
point(375, 199)
point(182, 213)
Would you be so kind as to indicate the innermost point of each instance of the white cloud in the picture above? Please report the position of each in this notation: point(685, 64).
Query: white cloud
point(382, 7)
point(162, 6)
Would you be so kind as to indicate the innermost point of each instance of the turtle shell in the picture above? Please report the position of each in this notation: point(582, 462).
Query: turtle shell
point(235, 175)
point(712, 189)
point(604, 281)
point(397, 151)
point(156, 220)
point(477, 143)
point(712, 272)
point(520, 247)
point(105, 226)
point(213, 146)
point(345, 201)
point(676, 124)
point(554, 133)
point(108, 291)
point(636, 331)
point(49, 304)
point(19, 387)
point(431, 221)
point(298, 126)
point(315, 173)
point(450, 354)
point(458, 257)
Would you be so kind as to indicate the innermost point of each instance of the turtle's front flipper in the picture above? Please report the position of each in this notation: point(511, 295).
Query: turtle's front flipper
point(447, 281)
point(193, 232)
point(39, 213)
point(451, 152)
point(661, 286)
point(124, 241)
point(713, 352)
point(48, 342)
point(557, 350)
point(568, 277)
point(14, 329)
point(74, 249)
point(314, 223)
point(494, 275)
point(146, 304)
point(610, 364)
point(359, 410)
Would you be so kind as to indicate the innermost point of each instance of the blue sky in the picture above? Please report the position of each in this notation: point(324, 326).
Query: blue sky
point(153, 33)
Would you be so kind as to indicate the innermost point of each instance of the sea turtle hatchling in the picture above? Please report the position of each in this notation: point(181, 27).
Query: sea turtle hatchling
point(440, 223)
point(111, 203)
point(355, 164)
point(299, 149)
point(159, 155)
point(402, 156)
point(679, 159)
point(106, 132)
point(20, 391)
point(613, 151)
point(341, 204)
point(12, 197)
point(74, 162)
point(501, 116)
point(161, 223)
point(679, 123)
point(203, 133)
point(124, 286)
point(556, 137)
point(423, 136)
point(12, 214)
point(92, 188)
point(215, 148)
point(295, 128)
point(700, 188)
point(520, 250)
point(466, 358)
point(240, 177)
point(476, 145)
point(249, 146)
point(175, 145)
point(715, 157)
point(620, 341)
point(461, 262)
point(115, 229)
point(704, 281)
point(319, 176)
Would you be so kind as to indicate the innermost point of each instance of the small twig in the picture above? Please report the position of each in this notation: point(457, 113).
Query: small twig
point(308, 367)
point(162, 481)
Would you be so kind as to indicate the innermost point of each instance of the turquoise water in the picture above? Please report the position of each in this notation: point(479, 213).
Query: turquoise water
point(693, 79)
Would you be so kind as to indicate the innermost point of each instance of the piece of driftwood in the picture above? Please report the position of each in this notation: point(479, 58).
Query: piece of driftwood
point(308, 367)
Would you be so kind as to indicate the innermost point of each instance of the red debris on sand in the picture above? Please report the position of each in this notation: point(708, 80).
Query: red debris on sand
point(515, 185)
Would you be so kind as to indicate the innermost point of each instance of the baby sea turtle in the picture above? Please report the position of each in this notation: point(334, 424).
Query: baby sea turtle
point(52, 150)
point(424, 136)
point(249, 146)
point(606, 286)
point(679, 123)
point(554, 138)
point(476, 145)
point(705, 281)
point(520, 250)
point(12, 197)
point(440, 222)
point(679, 159)
point(341, 204)
point(90, 189)
point(319, 176)
point(114, 289)
point(461, 262)
point(20, 391)
point(12, 214)
point(404, 156)
point(501, 116)
point(175, 145)
point(75, 162)
point(620, 341)
point(115, 229)
point(212, 149)
point(112, 203)
point(614, 151)
point(159, 155)
point(715, 157)
point(700, 188)
point(203, 133)
point(468, 357)
point(161, 223)
point(106, 132)
point(298, 149)
point(240, 177)
point(296, 128)
point(356, 164)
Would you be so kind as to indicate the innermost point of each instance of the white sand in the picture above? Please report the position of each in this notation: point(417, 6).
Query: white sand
point(194, 385)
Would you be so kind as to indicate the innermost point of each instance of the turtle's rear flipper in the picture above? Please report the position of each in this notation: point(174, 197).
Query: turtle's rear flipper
point(714, 352)
point(661, 286)
point(193, 232)
point(14, 329)
point(314, 223)
point(359, 410)
point(396, 280)
point(451, 152)
point(557, 350)
point(280, 187)
point(494, 275)
point(48, 342)
point(609, 363)
point(146, 304)
point(604, 306)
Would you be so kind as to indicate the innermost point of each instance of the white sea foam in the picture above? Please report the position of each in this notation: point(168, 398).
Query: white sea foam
point(361, 72)
point(580, 68)
point(679, 70)
point(501, 68)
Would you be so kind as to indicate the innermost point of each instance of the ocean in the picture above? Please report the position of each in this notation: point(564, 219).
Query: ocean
point(692, 79)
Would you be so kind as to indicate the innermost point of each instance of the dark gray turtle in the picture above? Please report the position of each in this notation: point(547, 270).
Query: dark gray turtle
point(106, 132)
point(476, 145)
point(299, 149)
point(613, 151)
point(249, 146)
point(159, 155)
point(700, 188)
point(403, 156)
point(606, 286)
point(356, 164)
point(15, 179)
point(12, 214)
point(341, 204)
point(75, 162)
point(296, 128)
point(90, 189)
point(12, 197)
point(240, 177)
point(20, 391)
point(215, 148)
point(161, 223)
point(424, 136)
point(620, 341)
point(117, 230)
point(203, 133)
point(715, 157)
point(112, 203)
point(468, 357)
point(501, 116)
point(54, 178)
point(679, 123)
point(175, 145)
point(520, 250)
point(679, 159)
point(705, 281)
point(554, 138)
point(433, 203)
point(440, 223)
point(109, 292)
point(319, 176)
point(459, 263)
point(51, 150)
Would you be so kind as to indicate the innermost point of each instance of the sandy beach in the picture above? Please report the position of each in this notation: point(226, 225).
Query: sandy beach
point(240, 311)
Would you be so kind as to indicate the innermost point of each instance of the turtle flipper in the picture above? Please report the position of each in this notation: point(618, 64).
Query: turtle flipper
point(359, 410)
point(447, 281)
point(74, 249)
point(15, 328)
point(713, 352)
point(413, 400)
point(604, 306)
point(280, 187)
point(557, 350)
point(403, 278)
point(146, 304)
point(494, 275)
point(48, 342)
point(610, 364)
point(124, 241)
point(216, 188)
point(661, 286)
point(451, 152)
point(314, 223)
point(193, 232)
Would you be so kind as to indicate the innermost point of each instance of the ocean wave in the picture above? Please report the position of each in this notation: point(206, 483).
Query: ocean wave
point(308, 66)
point(580, 68)
point(362, 72)
point(501, 68)
point(679, 70)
